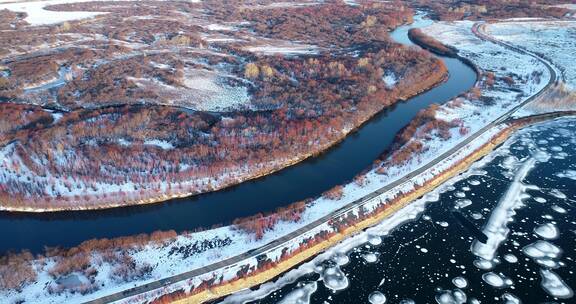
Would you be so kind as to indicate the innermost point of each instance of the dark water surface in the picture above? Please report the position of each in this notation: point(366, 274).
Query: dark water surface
point(307, 179)
point(431, 259)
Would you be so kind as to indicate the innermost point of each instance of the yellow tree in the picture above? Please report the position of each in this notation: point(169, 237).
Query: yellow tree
point(251, 70)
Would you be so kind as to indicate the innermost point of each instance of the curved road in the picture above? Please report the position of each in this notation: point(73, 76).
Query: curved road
point(477, 30)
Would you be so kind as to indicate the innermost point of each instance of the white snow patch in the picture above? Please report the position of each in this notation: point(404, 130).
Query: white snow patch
point(37, 15)
point(288, 50)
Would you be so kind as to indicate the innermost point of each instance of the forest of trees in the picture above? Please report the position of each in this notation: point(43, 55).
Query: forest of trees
point(114, 132)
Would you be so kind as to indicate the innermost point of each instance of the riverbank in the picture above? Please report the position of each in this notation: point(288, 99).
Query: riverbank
point(123, 199)
point(429, 43)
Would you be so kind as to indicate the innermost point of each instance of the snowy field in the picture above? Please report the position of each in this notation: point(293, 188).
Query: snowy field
point(37, 15)
point(287, 50)
point(554, 40)
point(528, 75)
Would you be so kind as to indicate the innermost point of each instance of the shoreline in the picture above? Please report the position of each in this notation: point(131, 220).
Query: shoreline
point(436, 81)
point(217, 292)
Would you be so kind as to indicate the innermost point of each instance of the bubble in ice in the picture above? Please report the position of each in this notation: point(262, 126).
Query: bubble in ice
point(377, 298)
point(477, 215)
point(460, 282)
point(341, 259)
point(509, 298)
point(407, 301)
point(424, 250)
point(455, 296)
point(547, 231)
point(334, 278)
point(465, 188)
point(571, 174)
point(496, 280)
point(548, 263)
point(483, 264)
point(540, 199)
point(474, 182)
point(560, 155)
point(542, 249)
point(510, 258)
point(554, 285)
point(541, 156)
point(558, 209)
point(300, 295)
point(462, 203)
point(374, 240)
point(370, 257)
point(460, 194)
point(558, 194)
point(443, 224)
point(556, 148)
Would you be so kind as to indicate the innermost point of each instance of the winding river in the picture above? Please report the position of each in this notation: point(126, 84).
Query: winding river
point(304, 180)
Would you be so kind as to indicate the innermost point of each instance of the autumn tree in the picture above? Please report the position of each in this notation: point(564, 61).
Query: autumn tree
point(251, 70)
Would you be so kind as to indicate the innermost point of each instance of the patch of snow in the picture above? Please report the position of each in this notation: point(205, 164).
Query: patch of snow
point(288, 50)
point(37, 15)
point(390, 79)
point(159, 143)
point(553, 40)
point(219, 27)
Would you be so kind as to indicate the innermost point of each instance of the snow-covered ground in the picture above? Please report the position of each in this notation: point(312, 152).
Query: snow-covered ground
point(529, 77)
point(203, 90)
point(289, 49)
point(390, 79)
point(554, 40)
point(37, 15)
